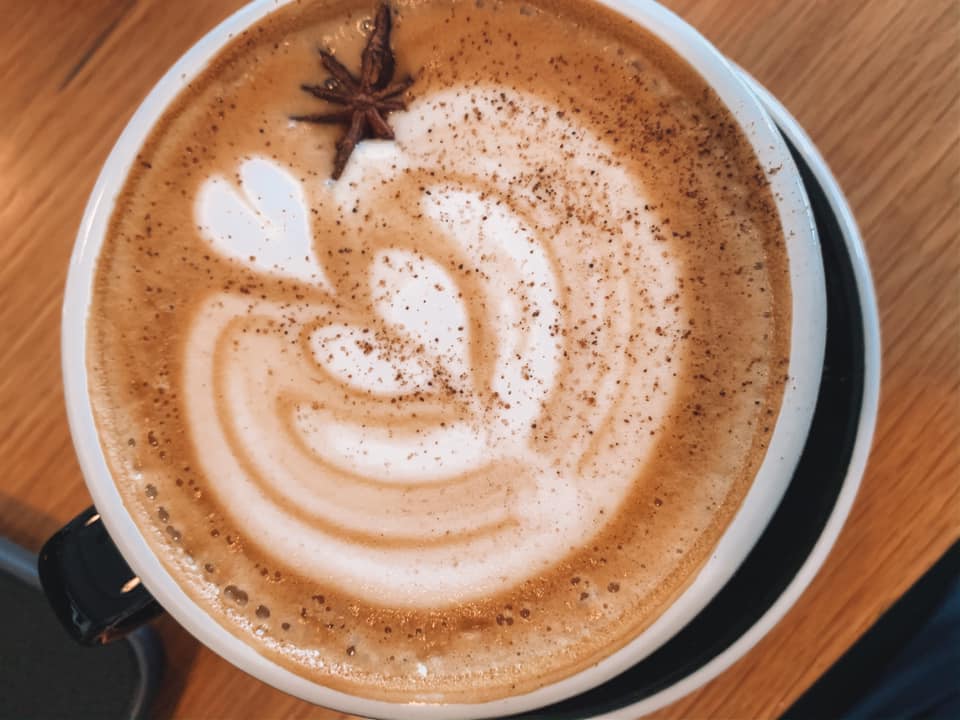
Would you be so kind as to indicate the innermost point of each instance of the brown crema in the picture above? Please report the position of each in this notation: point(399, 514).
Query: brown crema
point(716, 366)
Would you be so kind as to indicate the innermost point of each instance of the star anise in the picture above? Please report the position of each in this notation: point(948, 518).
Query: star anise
point(367, 99)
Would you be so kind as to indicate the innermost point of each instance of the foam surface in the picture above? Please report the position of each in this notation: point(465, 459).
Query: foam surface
point(306, 479)
point(463, 421)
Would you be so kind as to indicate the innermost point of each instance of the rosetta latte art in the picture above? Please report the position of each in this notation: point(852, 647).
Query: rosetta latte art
point(442, 420)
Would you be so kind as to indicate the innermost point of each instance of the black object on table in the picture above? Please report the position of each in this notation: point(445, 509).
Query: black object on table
point(45, 673)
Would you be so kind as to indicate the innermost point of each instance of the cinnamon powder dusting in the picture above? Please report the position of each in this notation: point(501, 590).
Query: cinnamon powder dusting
point(492, 412)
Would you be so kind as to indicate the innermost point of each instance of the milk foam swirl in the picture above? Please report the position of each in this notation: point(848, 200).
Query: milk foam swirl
point(461, 425)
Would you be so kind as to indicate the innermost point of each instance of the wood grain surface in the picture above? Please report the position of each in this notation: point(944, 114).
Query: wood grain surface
point(876, 84)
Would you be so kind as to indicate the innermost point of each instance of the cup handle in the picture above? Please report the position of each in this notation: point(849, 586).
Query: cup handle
point(92, 590)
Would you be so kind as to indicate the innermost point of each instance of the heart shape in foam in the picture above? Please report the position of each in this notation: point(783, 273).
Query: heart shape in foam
point(453, 432)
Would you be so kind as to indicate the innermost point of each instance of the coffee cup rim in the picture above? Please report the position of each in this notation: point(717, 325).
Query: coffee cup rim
point(808, 334)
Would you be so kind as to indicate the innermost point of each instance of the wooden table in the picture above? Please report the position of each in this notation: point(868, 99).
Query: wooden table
point(876, 84)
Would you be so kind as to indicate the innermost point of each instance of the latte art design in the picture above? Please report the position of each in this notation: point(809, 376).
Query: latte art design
point(440, 416)
point(468, 419)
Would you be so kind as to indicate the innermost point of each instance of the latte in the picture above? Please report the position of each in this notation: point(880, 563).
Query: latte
point(464, 420)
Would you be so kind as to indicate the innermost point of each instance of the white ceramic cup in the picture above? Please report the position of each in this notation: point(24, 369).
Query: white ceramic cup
point(787, 441)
